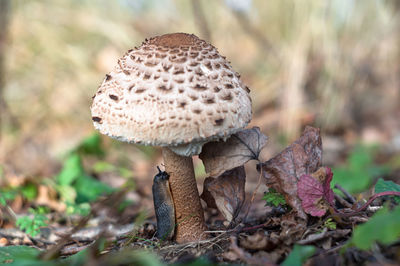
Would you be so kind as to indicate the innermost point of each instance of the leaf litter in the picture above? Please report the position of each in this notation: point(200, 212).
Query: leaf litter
point(268, 239)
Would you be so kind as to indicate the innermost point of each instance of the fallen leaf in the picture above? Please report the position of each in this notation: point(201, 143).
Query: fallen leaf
point(206, 195)
point(283, 171)
point(315, 192)
point(237, 253)
point(47, 197)
point(226, 192)
point(220, 156)
point(292, 229)
point(3, 242)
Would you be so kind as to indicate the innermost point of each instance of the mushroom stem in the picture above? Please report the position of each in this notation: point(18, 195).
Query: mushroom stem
point(189, 215)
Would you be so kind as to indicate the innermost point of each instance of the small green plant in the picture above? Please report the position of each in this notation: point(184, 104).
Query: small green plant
point(273, 198)
point(82, 209)
point(32, 225)
point(6, 195)
point(359, 171)
point(73, 182)
point(330, 224)
point(28, 191)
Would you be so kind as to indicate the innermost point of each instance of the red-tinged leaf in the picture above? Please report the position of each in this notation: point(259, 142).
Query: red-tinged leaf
point(315, 192)
point(226, 192)
point(283, 171)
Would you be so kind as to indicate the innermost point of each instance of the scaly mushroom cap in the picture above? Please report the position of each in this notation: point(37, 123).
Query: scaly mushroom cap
point(172, 90)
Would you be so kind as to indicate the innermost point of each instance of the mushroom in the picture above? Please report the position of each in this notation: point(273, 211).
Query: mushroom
point(175, 91)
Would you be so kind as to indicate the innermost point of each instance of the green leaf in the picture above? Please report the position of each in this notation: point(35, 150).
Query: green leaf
point(18, 255)
point(382, 186)
point(383, 227)
point(124, 204)
point(91, 145)
point(273, 198)
point(29, 256)
point(89, 189)
point(148, 151)
point(359, 158)
point(71, 170)
point(125, 172)
point(6, 195)
point(81, 209)
point(354, 181)
point(102, 166)
point(298, 255)
point(40, 210)
point(67, 193)
point(357, 175)
point(29, 191)
point(32, 225)
point(77, 259)
point(330, 224)
point(129, 256)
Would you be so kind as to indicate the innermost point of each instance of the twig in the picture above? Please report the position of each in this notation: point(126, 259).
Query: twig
point(346, 193)
point(254, 227)
point(371, 199)
point(51, 253)
point(218, 231)
point(375, 196)
point(343, 201)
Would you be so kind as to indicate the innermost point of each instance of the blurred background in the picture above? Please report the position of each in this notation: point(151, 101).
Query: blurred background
point(330, 64)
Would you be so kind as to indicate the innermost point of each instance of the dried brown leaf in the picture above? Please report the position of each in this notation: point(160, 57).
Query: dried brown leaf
point(304, 156)
point(226, 192)
point(235, 252)
point(47, 197)
point(292, 229)
point(220, 156)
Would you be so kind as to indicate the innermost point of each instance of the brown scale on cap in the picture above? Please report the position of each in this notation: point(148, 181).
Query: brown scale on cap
point(175, 66)
point(174, 40)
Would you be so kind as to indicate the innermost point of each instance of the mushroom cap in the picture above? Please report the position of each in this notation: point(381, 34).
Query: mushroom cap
point(173, 90)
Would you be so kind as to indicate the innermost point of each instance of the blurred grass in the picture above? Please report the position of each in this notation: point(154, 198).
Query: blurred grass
point(333, 64)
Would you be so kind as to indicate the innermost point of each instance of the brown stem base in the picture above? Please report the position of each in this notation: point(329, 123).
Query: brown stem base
point(190, 225)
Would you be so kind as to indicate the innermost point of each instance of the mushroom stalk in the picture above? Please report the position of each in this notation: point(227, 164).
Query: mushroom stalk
point(189, 215)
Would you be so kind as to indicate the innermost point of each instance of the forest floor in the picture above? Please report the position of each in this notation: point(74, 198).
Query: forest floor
point(298, 219)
